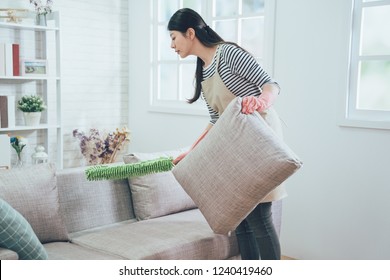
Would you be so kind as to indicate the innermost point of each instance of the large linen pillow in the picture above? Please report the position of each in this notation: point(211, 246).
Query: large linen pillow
point(32, 191)
point(17, 235)
point(234, 167)
point(157, 194)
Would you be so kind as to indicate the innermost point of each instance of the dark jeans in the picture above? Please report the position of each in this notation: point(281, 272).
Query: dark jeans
point(256, 235)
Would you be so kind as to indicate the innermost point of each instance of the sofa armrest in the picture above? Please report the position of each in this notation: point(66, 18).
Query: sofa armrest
point(6, 254)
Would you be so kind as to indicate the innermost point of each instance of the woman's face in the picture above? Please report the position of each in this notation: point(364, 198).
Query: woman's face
point(181, 43)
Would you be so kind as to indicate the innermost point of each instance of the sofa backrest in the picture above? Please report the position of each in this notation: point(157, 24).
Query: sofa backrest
point(87, 204)
point(32, 191)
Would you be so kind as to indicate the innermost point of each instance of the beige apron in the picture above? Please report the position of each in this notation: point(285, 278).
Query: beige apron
point(218, 96)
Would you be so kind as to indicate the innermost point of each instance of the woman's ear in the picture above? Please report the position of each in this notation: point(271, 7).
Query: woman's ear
point(190, 33)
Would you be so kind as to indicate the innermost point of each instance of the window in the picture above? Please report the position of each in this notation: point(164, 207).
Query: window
point(250, 23)
point(368, 102)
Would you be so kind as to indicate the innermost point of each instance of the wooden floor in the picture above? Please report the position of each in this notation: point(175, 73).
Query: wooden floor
point(287, 258)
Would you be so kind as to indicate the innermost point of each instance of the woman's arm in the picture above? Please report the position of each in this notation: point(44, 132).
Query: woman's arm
point(270, 92)
point(200, 138)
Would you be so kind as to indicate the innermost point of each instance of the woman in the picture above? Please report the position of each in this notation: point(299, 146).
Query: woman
point(224, 71)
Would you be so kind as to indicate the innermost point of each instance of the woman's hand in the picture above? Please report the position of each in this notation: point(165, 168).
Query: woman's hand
point(180, 157)
point(261, 103)
point(251, 104)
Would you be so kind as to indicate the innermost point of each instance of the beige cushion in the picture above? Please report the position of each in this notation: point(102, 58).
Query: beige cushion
point(234, 167)
point(32, 191)
point(181, 236)
point(89, 204)
point(157, 194)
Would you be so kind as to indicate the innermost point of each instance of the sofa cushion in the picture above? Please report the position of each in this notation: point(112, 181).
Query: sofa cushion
point(88, 204)
point(69, 251)
point(234, 167)
point(6, 254)
point(184, 235)
point(32, 191)
point(17, 235)
point(157, 194)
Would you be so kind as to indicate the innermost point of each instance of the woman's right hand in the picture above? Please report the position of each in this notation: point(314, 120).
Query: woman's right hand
point(179, 158)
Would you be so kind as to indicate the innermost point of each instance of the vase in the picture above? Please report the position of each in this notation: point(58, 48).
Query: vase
point(32, 118)
point(40, 19)
point(19, 161)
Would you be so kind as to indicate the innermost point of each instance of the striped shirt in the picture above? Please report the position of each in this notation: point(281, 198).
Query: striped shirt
point(239, 71)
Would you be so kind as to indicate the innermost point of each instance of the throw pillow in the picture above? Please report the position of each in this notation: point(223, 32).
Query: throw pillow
point(17, 235)
point(32, 191)
point(234, 167)
point(157, 194)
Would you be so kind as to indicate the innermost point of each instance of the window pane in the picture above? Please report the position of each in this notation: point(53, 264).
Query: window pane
point(165, 52)
point(253, 35)
point(252, 6)
point(193, 4)
point(225, 8)
point(166, 8)
point(374, 85)
point(227, 29)
point(187, 81)
point(167, 80)
point(240, 21)
point(375, 33)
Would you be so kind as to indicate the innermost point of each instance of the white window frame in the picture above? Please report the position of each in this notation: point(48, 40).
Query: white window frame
point(199, 107)
point(352, 116)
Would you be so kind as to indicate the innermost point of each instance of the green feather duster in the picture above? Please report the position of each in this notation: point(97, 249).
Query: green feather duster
point(104, 172)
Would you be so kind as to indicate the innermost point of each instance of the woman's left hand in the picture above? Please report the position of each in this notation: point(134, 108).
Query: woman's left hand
point(261, 103)
point(251, 104)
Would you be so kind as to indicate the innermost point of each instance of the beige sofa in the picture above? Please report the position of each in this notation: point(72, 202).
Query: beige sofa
point(149, 217)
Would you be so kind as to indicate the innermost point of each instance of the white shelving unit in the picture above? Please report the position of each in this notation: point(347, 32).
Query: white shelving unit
point(37, 42)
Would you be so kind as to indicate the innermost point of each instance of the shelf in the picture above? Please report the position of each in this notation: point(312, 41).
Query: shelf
point(29, 78)
point(27, 27)
point(24, 128)
point(39, 42)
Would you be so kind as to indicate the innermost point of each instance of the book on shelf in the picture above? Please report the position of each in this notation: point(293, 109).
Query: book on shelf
point(7, 111)
point(5, 152)
point(9, 64)
point(2, 59)
point(15, 59)
point(9, 59)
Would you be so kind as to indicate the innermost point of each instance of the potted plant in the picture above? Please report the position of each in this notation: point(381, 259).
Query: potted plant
point(32, 107)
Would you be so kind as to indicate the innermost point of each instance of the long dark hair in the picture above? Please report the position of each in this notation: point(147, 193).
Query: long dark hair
point(186, 18)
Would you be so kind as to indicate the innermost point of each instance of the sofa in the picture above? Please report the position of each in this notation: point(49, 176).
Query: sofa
point(142, 218)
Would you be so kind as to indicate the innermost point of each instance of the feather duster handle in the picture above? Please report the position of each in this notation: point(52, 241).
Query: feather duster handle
point(104, 172)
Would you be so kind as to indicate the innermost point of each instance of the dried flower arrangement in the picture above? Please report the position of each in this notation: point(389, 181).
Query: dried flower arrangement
point(40, 8)
point(100, 148)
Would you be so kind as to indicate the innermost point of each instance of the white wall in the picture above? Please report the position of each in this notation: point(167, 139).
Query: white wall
point(94, 69)
point(338, 202)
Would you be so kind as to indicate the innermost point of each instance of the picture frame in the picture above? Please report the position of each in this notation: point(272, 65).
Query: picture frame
point(33, 67)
